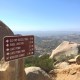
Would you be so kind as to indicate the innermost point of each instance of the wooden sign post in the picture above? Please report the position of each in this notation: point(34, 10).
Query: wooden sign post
point(17, 47)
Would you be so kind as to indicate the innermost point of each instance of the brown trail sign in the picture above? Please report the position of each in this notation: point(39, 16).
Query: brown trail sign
point(18, 46)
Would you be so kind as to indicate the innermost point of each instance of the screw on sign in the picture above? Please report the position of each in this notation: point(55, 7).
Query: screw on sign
point(18, 46)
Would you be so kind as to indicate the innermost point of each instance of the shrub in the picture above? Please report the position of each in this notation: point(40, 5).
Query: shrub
point(43, 62)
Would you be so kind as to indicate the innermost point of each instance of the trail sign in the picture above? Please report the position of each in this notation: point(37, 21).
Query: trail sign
point(18, 46)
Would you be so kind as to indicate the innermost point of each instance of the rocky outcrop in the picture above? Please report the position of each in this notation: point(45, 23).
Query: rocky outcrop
point(15, 68)
point(68, 73)
point(4, 31)
point(36, 73)
point(62, 65)
point(4, 72)
point(8, 72)
point(65, 48)
point(75, 60)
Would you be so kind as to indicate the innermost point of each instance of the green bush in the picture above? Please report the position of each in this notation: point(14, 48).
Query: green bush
point(43, 62)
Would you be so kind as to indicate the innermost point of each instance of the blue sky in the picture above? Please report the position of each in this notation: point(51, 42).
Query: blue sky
point(41, 15)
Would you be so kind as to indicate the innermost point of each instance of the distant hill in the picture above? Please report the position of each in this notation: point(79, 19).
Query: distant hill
point(46, 41)
point(38, 40)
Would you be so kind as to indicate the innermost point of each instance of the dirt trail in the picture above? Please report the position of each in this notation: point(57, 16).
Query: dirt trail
point(72, 72)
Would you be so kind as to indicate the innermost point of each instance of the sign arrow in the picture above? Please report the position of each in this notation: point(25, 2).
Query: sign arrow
point(7, 53)
point(7, 58)
point(7, 49)
point(7, 45)
point(7, 40)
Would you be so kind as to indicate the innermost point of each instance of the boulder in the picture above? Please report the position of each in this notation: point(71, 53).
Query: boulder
point(66, 48)
point(4, 31)
point(77, 59)
point(62, 65)
point(72, 61)
point(36, 73)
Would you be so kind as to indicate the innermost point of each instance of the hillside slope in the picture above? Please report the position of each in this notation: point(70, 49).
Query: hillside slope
point(72, 72)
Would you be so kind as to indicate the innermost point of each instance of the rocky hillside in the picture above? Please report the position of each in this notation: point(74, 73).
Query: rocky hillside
point(71, 72)
point(65, 50)
point(69, 67)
